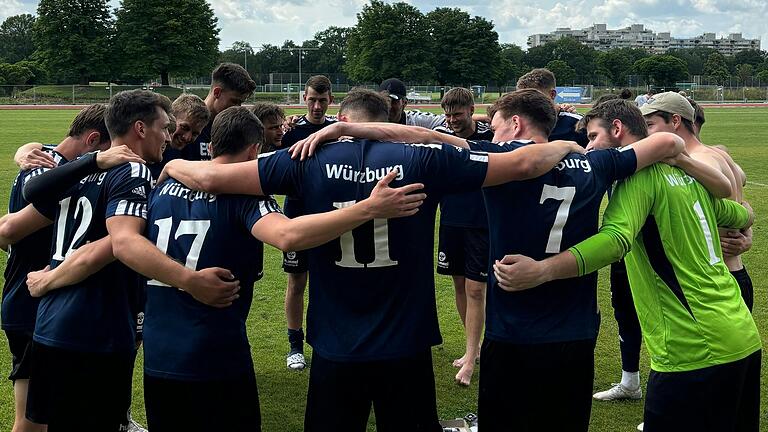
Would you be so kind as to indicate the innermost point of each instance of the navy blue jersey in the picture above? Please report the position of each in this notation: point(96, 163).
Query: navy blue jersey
point(565, 129)
point(98, 314)
point(303, 129)
point(539, 218)
point(372, 293)
point(32, 253)
point(466, 210)
point(183, 338)
point(195, 151)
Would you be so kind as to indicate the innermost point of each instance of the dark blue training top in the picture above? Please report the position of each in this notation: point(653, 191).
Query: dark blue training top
point(98, 314)
point(32, 253)
point(565, 129)
point(372, 292)
point(183, 338)
point(539, 218)
point(304, 128)
point(466, 210)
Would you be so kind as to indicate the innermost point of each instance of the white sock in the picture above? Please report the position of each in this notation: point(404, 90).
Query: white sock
point(630, 380)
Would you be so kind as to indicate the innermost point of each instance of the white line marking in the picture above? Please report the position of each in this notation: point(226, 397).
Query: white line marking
point(757, 184)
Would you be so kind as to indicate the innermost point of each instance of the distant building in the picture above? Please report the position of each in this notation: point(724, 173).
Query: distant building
point(599, 37)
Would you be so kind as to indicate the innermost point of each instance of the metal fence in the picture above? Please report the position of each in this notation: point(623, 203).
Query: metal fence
point(290, 93)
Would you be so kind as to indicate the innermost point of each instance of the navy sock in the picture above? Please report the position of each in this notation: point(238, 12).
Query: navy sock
point(296, 340)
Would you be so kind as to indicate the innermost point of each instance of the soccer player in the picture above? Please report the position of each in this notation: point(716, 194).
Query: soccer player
point(642, 99)
point(272, 117)
point(613, 124)
point(372, 316)
point(87, 132)
point(398, 100)
point(463, 238)
point(317, 96)
point(671, 112)
point(230, 86)
point(536, 342)
point(85, 336)
point(543, 80)
point(703, 343)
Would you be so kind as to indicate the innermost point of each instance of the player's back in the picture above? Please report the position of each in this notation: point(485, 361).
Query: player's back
point(372, 291)
point(692, 310)
point(538, 218)
point(202, 230)
point(99, 313)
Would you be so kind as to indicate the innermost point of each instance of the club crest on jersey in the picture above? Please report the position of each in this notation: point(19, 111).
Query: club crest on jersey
point(291, 255)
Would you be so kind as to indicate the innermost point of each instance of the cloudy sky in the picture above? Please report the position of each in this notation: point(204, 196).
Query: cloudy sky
point(274, 21)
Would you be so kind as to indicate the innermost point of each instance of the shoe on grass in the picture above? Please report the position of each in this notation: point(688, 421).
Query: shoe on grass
point(296, 361)
point(618, 392)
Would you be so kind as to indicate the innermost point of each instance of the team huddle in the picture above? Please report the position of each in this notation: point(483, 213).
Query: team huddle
point(145, 228)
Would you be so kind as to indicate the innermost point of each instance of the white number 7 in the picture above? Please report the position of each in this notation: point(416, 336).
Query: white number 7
point(564, 194)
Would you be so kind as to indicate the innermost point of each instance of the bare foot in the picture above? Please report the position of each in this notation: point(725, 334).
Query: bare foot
point(464, 377)
point(459, 362)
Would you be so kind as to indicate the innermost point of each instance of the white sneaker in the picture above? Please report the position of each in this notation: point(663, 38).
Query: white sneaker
point(296, 361)
point(640, 426)
point(618, 392)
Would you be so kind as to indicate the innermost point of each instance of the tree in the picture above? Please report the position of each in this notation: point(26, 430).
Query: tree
point(466, 48)
point(762, 76)
point(616, 66)
point(750, 57)
point(16, 38)
point(745, 72)
point(241, 53)
point(578, 56)
point(73, 39)
point(390, 40)
point(716, 68)
point(332, 50)
point(511, 64)
point(662, 70)
point(164, 37)
point(15, 74)
point(563, 73)
point(694, 58)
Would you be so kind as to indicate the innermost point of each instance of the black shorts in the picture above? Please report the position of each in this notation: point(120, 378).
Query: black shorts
point(401, 391)
point(20, 344)
point(74, 390)
point(745, 285)
point(722, 398)
point(295, 262)
point(175, 405)
point(517, 382)
point(463, 252)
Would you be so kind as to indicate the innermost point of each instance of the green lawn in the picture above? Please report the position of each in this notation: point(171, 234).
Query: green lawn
point(283, 392)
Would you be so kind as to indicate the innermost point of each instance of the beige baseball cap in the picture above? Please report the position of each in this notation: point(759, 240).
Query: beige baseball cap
point(671, 102)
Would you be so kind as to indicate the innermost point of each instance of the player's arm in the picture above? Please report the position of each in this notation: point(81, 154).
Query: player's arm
point(717, 162)
point(53, 184)
point(16, 226)
point(308, 231)
point(207, 176)
point(735, 242)
point(212, 286)
point(527, 162)
point(377, 131)
point(623, 219)
point(31, 155)
point(657, 147)
point(730, 214)
point(82, 263)
point(711, 178)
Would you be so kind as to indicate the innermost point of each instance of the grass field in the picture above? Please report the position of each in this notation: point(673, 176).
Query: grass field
point(283, 393)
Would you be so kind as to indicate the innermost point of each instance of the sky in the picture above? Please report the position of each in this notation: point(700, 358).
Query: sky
point(274, 21)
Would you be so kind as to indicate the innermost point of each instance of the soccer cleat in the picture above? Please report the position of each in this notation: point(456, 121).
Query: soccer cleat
point(296, 361)
point(640, 426)
point(618, 392)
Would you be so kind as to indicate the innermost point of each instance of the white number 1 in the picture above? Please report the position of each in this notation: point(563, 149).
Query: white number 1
point(713, 258)
point(564, 194)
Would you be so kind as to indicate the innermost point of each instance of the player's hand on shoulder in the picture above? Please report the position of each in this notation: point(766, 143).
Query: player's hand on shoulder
point(214, 286)
point(115, 156)
point(290, 122)
point(37, 282)
point(518, 272)
point(306, 147)
point(565, 107)
point(37, 158)
point(386, 202)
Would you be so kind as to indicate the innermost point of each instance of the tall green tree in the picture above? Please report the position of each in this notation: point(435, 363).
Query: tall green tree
point(511, 65)
point(750, 57)
point(241, 53)
point(466, 49)
point(578, 56)
point(16, 38)
point(164, 37)
point(662, 70)
point(390, 40)
point(716, 68)
point(694, 58)
point(745, 72)
point(563, 72)
point(331, 53)
point(73, 38)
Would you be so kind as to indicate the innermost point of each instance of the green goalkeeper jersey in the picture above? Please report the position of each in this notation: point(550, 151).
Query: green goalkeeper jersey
point(689, 306)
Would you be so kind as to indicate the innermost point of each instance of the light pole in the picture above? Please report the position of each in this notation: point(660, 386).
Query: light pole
point(301, 53)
